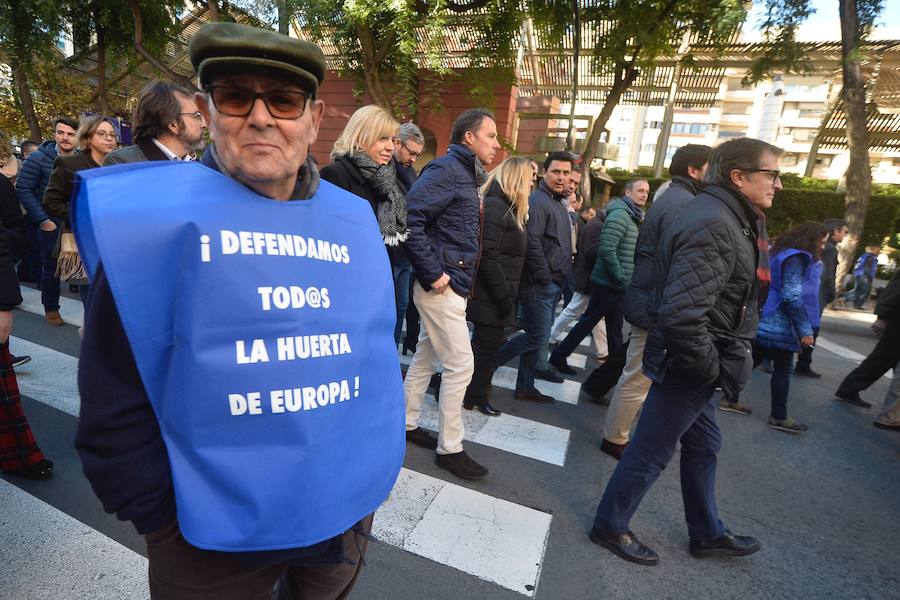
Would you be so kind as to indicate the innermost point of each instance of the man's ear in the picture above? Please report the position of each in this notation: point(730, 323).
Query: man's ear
point(203, 106)
point(737, 178)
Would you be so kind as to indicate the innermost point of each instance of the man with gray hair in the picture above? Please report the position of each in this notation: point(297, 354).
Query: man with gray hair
point(611, 273)
point(711, 269)
point(408, 147)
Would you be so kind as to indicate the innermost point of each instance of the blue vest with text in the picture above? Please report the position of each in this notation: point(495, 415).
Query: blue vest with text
point(263, 334)
point(810, 291)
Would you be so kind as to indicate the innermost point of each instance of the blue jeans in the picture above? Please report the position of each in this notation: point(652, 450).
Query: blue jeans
point(537, 317)
point(782, 367)
point(861, 291)
point(676, 409)
point(402, 275)
point(49, 281)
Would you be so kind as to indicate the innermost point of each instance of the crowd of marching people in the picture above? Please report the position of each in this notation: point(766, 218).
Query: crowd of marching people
point(490, 263)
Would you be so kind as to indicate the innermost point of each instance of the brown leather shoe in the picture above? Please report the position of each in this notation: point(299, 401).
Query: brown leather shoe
point(614, 450)
point(53, 318)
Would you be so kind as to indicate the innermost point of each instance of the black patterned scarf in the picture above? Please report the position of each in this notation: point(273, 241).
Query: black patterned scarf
point(392, 208)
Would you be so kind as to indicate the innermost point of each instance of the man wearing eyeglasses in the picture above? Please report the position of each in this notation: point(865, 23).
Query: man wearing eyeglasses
point(167, 126)
point(408, 146)
point(711, 268)
point(278, 492)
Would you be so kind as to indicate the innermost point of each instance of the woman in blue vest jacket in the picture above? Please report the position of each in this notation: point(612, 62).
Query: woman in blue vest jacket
point(791, 311)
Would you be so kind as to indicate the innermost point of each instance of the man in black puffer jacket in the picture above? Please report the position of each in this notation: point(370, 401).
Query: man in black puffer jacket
point(703, 317)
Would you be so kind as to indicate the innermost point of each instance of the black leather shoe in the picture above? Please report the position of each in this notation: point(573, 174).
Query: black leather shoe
point(534, 396)
point(625, 545)
point(461, 465)
point(887, 427)
point(559, 362)
point(38, 471)
point(548, 375)
point(855, 400)
point(807, 373)
point(601, 400)
point(420, 437)
point(435, 384)
point(485, 409)
point(726, 545)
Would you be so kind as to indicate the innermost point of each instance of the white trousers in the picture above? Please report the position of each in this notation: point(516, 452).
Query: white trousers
point(571, 313)
point(443, 341)
point(631, 390)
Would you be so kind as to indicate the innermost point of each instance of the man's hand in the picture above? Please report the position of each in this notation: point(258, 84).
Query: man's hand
point(879, 326)
point(440, 286)
point(807, 341)
point(48, 225)
point(5, 325)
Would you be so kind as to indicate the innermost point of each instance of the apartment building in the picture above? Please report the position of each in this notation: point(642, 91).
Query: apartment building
point(786, 111)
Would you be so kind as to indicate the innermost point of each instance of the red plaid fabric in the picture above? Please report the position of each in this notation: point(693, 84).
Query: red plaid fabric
point(18, 449)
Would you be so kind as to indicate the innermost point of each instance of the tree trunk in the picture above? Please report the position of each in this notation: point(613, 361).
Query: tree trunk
point(859, 174)
point(23, 91)
point(212, 10)
point(148, 56)
point(375, 84)
point(576, 57)
point(622, 82)
point(284, 18)
point(101, 67)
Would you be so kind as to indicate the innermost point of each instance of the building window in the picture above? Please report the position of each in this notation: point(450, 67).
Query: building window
point(670, 152)
point(648, 148)
point(690, 128)
point(654, 124)
point(622, 140)
point(730, 134)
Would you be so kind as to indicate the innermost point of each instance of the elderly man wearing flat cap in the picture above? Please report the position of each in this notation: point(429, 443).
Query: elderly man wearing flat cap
point(238, 405)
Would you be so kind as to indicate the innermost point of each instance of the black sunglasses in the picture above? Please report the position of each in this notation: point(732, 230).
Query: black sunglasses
point(238, 102)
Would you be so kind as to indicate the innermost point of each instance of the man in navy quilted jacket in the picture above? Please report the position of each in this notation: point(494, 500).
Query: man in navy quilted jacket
point(444, 225)
point(711, 266)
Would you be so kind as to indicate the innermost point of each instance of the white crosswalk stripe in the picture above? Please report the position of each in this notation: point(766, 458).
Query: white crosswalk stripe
point(491, 538)
point(505, 377)
point(506, 432)
point(47, 554)
point(72, 311)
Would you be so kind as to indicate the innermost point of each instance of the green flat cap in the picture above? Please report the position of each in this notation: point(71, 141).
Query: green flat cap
point(231, 47)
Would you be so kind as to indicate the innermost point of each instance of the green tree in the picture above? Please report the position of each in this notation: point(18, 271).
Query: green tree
point(56, 92)
point(631, 35)
point(386, 45)
point(29, 30)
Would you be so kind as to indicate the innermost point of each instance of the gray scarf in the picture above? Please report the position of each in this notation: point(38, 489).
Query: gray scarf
point(392, 209)
point(481, 175)
point(307, 179)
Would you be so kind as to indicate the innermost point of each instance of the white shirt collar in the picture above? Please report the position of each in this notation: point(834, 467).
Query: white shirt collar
point(169, 154)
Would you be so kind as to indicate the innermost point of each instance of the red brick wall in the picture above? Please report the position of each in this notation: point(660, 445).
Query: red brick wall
point(340, 104)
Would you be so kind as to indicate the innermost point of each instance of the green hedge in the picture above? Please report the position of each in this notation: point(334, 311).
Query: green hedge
point(794, 206)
